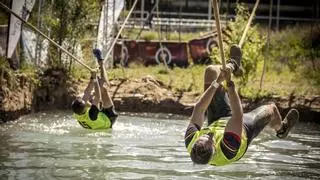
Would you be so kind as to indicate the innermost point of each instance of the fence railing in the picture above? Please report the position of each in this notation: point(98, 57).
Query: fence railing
point(193, 20)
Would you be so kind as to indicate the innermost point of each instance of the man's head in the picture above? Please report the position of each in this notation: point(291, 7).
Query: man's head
point(78, 106)
point(202, 149)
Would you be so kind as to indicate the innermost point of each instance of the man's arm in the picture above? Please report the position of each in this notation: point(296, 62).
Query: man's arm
point(97, 93)
point(234, 125)
point(87, 92)
point(198, 114)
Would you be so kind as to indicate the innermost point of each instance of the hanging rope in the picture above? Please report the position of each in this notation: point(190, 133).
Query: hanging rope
point(217, 19)
point(124, 23)
point(42, 34)
point(161, 47)
point(248, 24)
point(160, 39)
point(268, 43)
point(122, 60)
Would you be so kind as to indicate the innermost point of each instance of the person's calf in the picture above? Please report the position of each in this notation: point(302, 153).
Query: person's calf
point(211, 73)
point(275, 122)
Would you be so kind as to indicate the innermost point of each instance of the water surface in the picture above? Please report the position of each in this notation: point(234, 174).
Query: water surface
point(54, 146)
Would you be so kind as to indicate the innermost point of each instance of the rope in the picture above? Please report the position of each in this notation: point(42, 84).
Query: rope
point(217, 19)
point(160, 38)
point(122, 55)
point(116, 38)
point(42, 34)
point(161, 46)
point(248, 24)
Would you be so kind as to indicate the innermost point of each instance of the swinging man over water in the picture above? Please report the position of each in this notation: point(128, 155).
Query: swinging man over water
point(229, 131)
point(100, 112)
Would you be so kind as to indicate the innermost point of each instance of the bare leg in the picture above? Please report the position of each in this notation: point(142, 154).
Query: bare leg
point(276, 120)
point(256, 120)
point(212, 72)
point(104, 86)
point(103, 74)
point(106, 99)
point(219, 106)
point(271, 111)
point(267, 115)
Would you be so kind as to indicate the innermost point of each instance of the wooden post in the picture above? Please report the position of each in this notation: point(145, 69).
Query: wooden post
point(268, 42)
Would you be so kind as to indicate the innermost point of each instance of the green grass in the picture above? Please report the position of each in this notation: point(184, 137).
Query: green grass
point(179, 79)
point(276, 82)
point(282, 83)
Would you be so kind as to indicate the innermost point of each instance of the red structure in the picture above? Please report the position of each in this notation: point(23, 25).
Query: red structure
point(173, 52)
point(151, 52)
point(200, 49)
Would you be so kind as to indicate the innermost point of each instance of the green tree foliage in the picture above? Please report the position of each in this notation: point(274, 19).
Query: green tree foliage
point(69, 22)
point(296, 46)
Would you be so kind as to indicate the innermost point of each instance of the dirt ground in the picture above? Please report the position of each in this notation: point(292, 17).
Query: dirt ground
point(140, 96)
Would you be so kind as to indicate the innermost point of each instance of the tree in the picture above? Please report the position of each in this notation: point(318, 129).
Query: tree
point(69, 22)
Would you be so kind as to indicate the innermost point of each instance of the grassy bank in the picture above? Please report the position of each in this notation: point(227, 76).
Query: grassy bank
point(276, 82)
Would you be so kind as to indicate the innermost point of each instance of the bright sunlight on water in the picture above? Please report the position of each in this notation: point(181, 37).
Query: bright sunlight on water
point(54, 146)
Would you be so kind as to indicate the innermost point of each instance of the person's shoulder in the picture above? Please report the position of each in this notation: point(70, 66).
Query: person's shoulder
point(194, 126)
point(190, 132)
point(191, 129)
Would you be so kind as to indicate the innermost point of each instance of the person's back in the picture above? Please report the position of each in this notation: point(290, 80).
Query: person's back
point(93, 120)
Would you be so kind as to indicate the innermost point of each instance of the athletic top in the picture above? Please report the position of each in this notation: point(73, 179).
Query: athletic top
point(229, 146)
point(93, 119)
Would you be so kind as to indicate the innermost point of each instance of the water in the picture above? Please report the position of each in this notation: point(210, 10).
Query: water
point(54, 146)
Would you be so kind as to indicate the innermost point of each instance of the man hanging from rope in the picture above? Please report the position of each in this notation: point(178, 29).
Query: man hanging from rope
point(100, 113)
point(229, 131)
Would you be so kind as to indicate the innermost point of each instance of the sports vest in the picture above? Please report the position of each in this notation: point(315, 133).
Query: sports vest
point(218, 158)
point(102, 121)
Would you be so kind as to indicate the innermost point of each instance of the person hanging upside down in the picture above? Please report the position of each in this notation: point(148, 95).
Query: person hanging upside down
point(100, 112)
point(229, 131)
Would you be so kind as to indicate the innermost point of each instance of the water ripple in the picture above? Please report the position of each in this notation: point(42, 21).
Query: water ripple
point(52, 145)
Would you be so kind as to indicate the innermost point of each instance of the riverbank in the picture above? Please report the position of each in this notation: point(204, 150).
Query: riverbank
point(150, 95)
point(22, 95)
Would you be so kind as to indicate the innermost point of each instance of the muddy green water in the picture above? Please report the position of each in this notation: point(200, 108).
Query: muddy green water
point(54, 146)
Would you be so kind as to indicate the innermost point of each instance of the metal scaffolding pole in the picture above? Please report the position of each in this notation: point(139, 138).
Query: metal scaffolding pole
point(278, 14)
point(38, 41)
point(142, 13)
point(209, 10)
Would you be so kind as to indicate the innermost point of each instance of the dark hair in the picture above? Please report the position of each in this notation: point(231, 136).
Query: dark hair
point(201, 153)
point(78, 106)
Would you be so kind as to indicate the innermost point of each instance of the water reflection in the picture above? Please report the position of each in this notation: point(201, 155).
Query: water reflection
point(53, 146)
